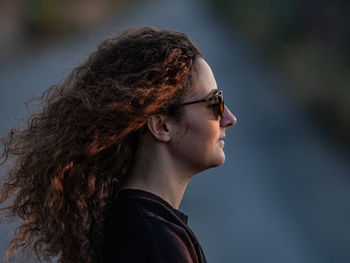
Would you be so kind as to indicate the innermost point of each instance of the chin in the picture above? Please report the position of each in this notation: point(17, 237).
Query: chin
point(219, 160)
point(222, 161)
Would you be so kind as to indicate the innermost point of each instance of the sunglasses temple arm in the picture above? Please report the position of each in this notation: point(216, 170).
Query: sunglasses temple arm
point(193, 102)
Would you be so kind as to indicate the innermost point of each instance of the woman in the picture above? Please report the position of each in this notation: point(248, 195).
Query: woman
point(99, 172)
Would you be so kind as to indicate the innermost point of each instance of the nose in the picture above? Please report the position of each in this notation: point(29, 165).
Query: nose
point(229, 119)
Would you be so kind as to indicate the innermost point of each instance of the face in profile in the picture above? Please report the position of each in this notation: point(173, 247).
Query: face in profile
point(197, 142)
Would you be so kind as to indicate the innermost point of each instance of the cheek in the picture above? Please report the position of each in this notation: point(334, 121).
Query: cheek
point(204, 147)
point(197, 145)
point(204, 135)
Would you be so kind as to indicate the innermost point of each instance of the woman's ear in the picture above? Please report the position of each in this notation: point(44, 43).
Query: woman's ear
point(159, 127)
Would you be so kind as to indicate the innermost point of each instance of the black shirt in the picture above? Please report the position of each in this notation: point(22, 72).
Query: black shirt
point(142, 227)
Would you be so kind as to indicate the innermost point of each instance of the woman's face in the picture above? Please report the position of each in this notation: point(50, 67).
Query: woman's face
point(197, 141)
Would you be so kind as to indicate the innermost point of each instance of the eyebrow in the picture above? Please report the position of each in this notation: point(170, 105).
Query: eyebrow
point(202, 100)
point(212, 92)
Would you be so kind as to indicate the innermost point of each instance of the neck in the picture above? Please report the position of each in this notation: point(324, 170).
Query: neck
point(170, 191)
point(157, 173)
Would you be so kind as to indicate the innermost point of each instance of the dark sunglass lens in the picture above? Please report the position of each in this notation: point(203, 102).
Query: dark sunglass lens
point(218, 105)
point(216, 109)
point(222, 106)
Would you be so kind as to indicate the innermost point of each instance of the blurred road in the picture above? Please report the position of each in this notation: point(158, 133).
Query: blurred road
point(283, 194)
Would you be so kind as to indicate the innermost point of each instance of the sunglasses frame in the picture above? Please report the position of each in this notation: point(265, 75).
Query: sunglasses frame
point(217, 99)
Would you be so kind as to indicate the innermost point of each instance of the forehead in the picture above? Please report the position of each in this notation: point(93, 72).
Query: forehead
point(204, 80)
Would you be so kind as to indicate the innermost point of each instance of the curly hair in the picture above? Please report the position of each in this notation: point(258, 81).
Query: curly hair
point(68, 162)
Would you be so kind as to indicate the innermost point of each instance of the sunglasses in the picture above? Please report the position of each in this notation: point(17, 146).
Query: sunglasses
point(217, 101)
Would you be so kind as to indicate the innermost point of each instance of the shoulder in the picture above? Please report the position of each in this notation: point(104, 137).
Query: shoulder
point(126, 237)
point(171, 241)
point(143, 231)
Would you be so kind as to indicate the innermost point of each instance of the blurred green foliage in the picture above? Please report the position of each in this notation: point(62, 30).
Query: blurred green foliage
point(47, 18)
point(310, 41)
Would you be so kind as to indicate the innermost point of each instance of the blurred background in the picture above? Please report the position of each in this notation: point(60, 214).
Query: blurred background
point(283, 194)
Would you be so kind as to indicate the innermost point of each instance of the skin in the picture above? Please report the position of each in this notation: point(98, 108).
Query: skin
point(172, 152)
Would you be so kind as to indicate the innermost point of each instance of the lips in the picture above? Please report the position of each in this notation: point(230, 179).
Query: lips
point(222, 138)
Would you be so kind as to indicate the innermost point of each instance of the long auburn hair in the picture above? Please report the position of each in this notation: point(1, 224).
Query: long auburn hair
point(66, 165)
